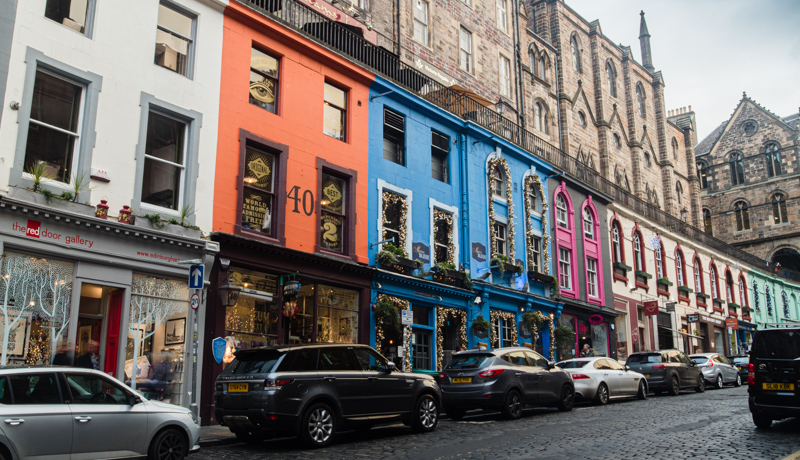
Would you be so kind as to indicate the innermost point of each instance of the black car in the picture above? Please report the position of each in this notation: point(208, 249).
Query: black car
point(667, 370)
point(741, 362)
point(315, 390)
point(504, 379)
point(774, 375)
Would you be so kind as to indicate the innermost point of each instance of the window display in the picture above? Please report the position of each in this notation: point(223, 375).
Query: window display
point(253, 321)
point(337, 317)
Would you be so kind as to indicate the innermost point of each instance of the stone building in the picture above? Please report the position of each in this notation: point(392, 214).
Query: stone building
point(748, 169)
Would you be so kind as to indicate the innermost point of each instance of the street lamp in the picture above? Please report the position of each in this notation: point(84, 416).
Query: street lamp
point(229, 293)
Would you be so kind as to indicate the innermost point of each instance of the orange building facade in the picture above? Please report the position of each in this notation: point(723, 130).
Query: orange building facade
point(290, 193)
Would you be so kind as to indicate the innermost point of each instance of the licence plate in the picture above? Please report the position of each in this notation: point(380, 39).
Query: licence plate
point(237, 387)
point(647, 376)
point(462, 379)
point(779, 386)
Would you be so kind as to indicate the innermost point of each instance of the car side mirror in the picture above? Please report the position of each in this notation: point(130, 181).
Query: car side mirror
point(391, 366)
point(627, 368)
point(551, 365)
point(133, 400)
point(694, 363)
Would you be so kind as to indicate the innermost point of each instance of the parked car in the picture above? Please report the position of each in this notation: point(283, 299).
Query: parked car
point(316, 390)
point(601, 379)
point(58, 412)
point(773, 375)
point(504, 379)
point(667, 370)
point(741, 362)
point(717, 369)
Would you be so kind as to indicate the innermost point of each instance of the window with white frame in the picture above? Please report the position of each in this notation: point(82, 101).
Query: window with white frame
point(679, 268)
point(505, 76)
point(698, 280)
point(465, 43)
point(536, 249)
point(637, 252)
point(712, 274)
point(502, 15)
point(501, 243)
point(615, 241)
point(164, 161)
point(393, 224)
point(588, 224)
point(591, 277)
point(561, 211)
point(742, 295)
point(533, 199)
point(75, 14)
point(421, 21)
point(174, 38)
point(565, 268)
point(498, 183)
point(659, 262)
point(334, 112)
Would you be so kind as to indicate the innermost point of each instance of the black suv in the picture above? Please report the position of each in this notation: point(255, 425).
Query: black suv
point(315, 390)
point(667, 370)
point(773, 380)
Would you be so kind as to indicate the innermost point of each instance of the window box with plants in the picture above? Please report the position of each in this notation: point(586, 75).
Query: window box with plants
point(747, 309)
point(718, 303)
point(393, 258)
point(540, 277)
point(176, 226)
point(621, 271)
point(480, 327)
point(665, 282)
point(642, 278)
point(447, 273)
point(65, 200)
point(684, 291)
point(501, 264)
point(733, 306)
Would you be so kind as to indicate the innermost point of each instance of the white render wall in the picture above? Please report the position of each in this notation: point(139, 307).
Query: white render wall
point(121, 51)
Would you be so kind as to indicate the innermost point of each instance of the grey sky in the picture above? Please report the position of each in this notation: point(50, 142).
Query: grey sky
point(709, 51)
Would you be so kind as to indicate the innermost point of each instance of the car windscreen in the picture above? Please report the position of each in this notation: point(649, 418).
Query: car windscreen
point(740, 360)
point(469, 361)
point(780, 344)
point(699, 359)
point(642, 359)
point(572, 364)
point(260, 362)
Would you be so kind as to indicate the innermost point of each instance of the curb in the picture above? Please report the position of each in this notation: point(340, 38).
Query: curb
point(793, 456)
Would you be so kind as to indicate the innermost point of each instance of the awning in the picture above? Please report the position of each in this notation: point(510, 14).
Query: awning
point(681, 332)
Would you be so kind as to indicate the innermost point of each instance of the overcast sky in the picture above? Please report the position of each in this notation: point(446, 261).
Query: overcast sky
point(709, 51)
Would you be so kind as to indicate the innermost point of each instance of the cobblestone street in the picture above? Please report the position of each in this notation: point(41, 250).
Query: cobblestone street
point(711, 425)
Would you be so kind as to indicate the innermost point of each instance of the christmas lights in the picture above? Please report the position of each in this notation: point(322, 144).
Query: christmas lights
point(442, 313)
point(493, 163)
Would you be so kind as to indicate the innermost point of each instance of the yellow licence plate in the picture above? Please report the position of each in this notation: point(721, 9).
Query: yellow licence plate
point(237, 387)
point(462, 379)
point(779, 386)
point(647, 376)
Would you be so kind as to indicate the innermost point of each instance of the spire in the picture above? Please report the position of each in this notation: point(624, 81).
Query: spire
point(644, 41)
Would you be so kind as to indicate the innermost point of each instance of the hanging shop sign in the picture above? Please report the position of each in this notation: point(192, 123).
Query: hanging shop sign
point(595, 319)
point(732, 323)
point(218, 347)
point(479, 252)
point(422, 252)
point(693, 318)
point(651, 308)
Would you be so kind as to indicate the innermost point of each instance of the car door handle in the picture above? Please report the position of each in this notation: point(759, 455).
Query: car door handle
point(518, 374)
point(83, 418)
point(14, 421)
point(329, 378)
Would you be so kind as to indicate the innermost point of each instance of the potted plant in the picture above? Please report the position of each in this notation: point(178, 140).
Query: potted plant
point(643, 274)
point(480, 327)
point(500, 263)
point(532, 320)
point(564, 336)
point(733, 305)
point(447, 273)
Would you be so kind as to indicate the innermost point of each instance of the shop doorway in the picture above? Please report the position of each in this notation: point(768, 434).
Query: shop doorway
point(451, 334)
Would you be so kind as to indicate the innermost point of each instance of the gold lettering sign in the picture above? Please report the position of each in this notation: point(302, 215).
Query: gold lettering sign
point(259, 168)
point(254, 211)
point(330, 232)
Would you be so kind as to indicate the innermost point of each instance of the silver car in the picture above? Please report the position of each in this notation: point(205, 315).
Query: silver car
point(600, 379)
point(717, 369)
point(66, 412)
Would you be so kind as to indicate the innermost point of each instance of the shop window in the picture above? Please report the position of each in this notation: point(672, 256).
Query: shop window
point(264, 79)
point(337, 315)
point(175, 38)
point(75, 14)
point(334, 211)
point(394, 142)
point(335, 112)
point(566, 347)
point(254, 318)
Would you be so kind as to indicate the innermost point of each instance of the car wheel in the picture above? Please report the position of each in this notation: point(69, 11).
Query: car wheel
point(675, 386)
point(738, 381)
point(602, 395)
point(426, 414)
point(454, 413)
point(762, 421)
point(642, 393)
point(169, 444)
point(718, 383)
point(701, 384)
point(567, 399)
point(248, 437)
point(512, 408)
point(318, 426)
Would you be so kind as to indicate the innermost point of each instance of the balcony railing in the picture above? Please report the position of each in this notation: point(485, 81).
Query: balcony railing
point(345, 40)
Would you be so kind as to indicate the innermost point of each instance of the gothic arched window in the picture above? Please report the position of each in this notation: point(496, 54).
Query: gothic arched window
point(707, 222)
point(737, 169)
point(498, 182)
point(576, 57)
point(779, 213)
point(742, 212)
point(640, 99)
point(773, 160)
point(611, 76)
point(702, 174)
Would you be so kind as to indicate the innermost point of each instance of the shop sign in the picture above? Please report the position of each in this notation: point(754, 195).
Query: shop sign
point(334, 14)
point(746, 327)
point(479, 252)
point(732, 323)
point(670, 306)
point(695, 318)
point(406, 317)
point(420, 251)
point(651, 308)
point(595, 319)
point(218, 347)
point(433, 72)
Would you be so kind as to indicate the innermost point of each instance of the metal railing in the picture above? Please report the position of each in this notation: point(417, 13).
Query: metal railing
point(342, 38)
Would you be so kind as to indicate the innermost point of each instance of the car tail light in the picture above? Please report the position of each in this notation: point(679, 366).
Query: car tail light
point(491, 373)
point(579, 376)
point(275, 384)
point(660, 366)
point(442, 376)
point(751, 374)
point(710, 363)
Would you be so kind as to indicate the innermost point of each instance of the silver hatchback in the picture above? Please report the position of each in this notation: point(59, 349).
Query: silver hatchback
point(65, 412)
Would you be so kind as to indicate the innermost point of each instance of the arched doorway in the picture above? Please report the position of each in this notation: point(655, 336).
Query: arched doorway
point(788, 258)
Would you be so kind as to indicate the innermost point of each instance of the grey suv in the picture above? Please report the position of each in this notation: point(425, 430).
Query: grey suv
point(667, 370)
point(773, 381)
point(315, 390)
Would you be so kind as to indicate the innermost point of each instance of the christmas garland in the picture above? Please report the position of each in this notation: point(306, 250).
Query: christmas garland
point(495, 317)
point(400, 304)
point(530, 182)
point(493, 163)
point(785, 304)
point(447, 218)
point(755, 296)
point(768, 295)
point(552, 337)
point(391, 198)
point(442, 313)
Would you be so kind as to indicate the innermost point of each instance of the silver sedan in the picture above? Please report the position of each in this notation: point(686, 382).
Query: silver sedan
point(601, 379)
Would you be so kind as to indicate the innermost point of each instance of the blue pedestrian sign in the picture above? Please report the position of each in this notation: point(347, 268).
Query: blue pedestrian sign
point(196, 276)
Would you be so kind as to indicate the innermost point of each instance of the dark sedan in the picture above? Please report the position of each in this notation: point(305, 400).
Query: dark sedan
point(741, 362)
point(504, 379)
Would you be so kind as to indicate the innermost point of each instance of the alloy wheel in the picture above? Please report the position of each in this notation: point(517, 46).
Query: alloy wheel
point(320, 425)
point(427, 413)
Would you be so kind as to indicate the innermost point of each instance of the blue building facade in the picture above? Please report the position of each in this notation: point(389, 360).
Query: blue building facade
point(457, 232)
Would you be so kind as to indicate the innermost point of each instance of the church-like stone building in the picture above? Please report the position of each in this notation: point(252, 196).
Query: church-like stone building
point(748, 170)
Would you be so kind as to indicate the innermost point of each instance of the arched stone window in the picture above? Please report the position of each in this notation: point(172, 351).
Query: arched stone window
point(576, 57)
point(773, 160)
point(779, 213)
point(561, 211)
point(742, 213)
point(498, 183)
point(640, 97)
point(737, 169)
point(543, 67)
point(540, 117)
point(611, 76)
point(674, 148)
point(588, 224)
point(679, 192)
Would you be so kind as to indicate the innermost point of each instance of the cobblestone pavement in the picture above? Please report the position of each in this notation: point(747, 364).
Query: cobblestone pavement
point(711, 425)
